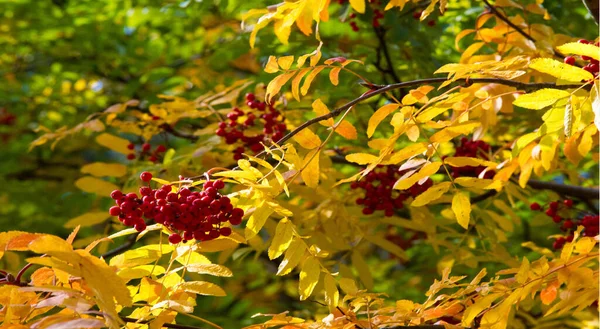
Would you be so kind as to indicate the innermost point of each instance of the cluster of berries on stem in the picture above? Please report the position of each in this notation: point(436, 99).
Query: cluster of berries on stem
point(241, 126)
point(592, 66)
point(472, 149)
point(563, 213)
point(199, 215)
point(379, 193)
point(145, 152)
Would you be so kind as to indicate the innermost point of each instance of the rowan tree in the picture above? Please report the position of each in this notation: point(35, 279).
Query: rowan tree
point(304, 164)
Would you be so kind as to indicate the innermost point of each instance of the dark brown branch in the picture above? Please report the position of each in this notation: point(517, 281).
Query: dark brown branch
point(571, 190)
point(125, 246)
point(165, 325)
point(507, 21)
point(176, 133)
point(378, 89)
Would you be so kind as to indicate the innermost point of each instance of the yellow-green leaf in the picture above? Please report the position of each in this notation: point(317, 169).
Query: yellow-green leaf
point(461, 206)
point(560, 70)
point(282, 239)
point(309, 277)
point(582, 49)
point(292, 257)
point(540, 99)
point(449, 133)
point(210, 269)
point(378, 116)
point(433, 193)
point(100, 169)
point(88, 219)
point(202, 288)
point(479, 306)
point(98, 186)
point(114, 143)
point(466, 161)
point(348, 285)
point(332, 295)
point(523, 273)
point(363, 270)
point(257, 220)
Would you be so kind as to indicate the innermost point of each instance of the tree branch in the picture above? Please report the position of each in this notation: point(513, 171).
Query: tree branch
point(507, 21)
point(130, 242)
point(380, 89)
point(571, 190)
point(593, 6)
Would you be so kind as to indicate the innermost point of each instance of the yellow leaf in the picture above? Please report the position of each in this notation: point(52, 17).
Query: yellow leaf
point(348, 286)
point(430, 113)
point(218, 244)
point(449, 133)
point(582, 49)
point(309, 79)
point(88, 219)
point(282, 239)
point(285, 62)
point(272, 66)
point(540, 99)
point(275, 85)
point(91, 184)
point(407, 152)
point(433, 193)
point(461, 206)
point(346, 129)
point(358, 6)
point(363, 270)
point(307, 139)
point(321, 109)
point(311, 171)
point(332, 295)
point(378, 116)
point(481, 304)
point(466, 161)
point(428, 169)
point(292, 256)
point(523, 273)
point(210, 269)
point(309, 277)
point(114, 143)
point(257, 220)
point(560, 70)
point(296, 82)
point(361, 158)
point(100, 169)
point(202, 288)
point(132, 258)
point(334, 75)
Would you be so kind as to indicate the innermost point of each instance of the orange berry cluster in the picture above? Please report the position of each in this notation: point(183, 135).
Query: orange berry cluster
point(198, 215)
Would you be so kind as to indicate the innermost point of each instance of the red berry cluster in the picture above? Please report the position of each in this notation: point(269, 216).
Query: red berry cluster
point(190, 215)
point(592, 65)
point(377, 15)
point(7, 118)
point(562, 213)
point(472, 149)
point(146, 152)
point(379, 192)
point(417, 16)
point(239, 124)
point(405, 240)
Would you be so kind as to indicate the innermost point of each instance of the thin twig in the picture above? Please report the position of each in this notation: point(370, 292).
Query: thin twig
point(130, 242)
point(507, 21)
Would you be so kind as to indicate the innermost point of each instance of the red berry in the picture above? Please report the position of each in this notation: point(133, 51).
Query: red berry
point(130, 156)
point(174, 238)
point(551, 212)
point(140, 226)
point(145, 190)
point(225, 231)
point(584, 41)
point(219, 184)
point(114, 211)
point(250, 97)
point(535, 206)
point(161, 148)
point(556, 219)
point(554, 205)
point(431, 23)
point(235, 220)
point(568, 203)
point(146, 176)
point(569, 60)
point(131, 146)
point(116, 194)
point(146, 147)
point(568, 224)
